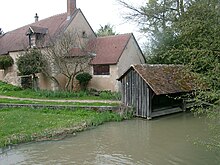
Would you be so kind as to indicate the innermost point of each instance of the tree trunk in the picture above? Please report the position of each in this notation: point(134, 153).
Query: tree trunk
point(181, 7)
point(68, 83)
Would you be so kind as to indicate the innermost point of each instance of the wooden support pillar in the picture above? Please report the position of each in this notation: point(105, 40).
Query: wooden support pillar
point(184, 106)
point(148, 108)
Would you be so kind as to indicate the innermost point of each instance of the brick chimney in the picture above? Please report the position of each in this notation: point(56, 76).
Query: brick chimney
point(71, 7)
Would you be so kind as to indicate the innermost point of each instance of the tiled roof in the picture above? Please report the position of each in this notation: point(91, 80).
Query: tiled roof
point(165, 79)
point(106, 50)
point(110, 48)
point(17, 40)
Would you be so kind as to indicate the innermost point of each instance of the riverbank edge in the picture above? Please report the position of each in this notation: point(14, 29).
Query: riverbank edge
point(125, 113)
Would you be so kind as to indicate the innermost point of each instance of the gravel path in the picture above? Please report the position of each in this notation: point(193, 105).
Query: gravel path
point(61, 101)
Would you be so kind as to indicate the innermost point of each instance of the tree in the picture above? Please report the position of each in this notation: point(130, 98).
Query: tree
point(107, 30)
point(155, 17)
point(69, 55)
point(195, 42)
point(30, 63)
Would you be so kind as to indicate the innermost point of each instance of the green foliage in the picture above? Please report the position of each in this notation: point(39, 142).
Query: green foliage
point(110, 95)
point(4, 87)
point(6, 61)
point(155, 17)
point(84, 78)
point(31, 62)
point(24, 124)
point(106, 30)
point(10, 90)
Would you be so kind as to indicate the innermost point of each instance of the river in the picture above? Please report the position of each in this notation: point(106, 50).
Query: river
point(166, 140)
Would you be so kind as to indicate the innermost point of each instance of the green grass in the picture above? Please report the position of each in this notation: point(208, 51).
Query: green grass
point(10, 90)
point(19, 125)
point(16, 101)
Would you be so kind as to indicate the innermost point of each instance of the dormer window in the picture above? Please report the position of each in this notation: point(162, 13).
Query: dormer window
point(36, 35)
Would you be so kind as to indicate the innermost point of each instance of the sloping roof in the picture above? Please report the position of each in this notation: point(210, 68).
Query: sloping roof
point(109, 49)
point(165, 79)
point(17, 40)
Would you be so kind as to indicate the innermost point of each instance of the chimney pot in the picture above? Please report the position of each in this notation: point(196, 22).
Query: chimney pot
point(36, 17)
point(71, 7)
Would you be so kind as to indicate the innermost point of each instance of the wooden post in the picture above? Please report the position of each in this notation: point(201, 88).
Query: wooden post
point(148, 104)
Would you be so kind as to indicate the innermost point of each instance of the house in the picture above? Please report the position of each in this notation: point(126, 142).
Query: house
point(113, 55)
point(153, 89)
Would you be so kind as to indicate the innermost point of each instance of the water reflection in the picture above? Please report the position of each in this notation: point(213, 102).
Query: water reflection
point(164, 141)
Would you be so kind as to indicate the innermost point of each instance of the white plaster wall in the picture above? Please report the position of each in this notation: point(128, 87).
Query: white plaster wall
point(131, 55)
point(80, 24)
point(105, 82)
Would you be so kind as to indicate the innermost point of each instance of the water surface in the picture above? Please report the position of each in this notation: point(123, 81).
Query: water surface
point(162, 141)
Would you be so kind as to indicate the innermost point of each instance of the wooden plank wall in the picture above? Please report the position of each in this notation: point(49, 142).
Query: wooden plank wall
point(136, 93)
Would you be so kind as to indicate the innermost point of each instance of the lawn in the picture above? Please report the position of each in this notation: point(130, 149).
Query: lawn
point(10, 90)
point(19, 125)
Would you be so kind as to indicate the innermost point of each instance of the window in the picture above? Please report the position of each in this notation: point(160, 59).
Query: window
point(101, 70)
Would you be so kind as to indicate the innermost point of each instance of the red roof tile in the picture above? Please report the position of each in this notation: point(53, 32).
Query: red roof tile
point(109, 49)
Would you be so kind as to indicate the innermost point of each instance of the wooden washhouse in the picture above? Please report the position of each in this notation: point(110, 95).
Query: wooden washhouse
point(153, 90)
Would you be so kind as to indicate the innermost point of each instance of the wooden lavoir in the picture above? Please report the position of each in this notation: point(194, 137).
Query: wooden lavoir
point(154, 90)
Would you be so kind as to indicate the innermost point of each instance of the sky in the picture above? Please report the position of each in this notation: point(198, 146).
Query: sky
point(17, 13)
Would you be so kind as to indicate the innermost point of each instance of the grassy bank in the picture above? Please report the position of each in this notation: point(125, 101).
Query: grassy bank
point(10, 90)
point(23, 125)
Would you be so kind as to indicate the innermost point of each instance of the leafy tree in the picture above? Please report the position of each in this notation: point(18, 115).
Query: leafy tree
point(30, 63)
point(155, 17)
point(106, 30)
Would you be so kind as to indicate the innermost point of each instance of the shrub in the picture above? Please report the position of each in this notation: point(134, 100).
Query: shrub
point(83, 79)
point(30, 62)
point(6, 61)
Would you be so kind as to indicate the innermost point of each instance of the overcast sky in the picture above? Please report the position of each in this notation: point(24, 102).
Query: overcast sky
point(17, 13)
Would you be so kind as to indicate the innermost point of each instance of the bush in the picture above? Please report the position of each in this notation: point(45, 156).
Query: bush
point(6, 61)
point(30, 62)
point(83, 79)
